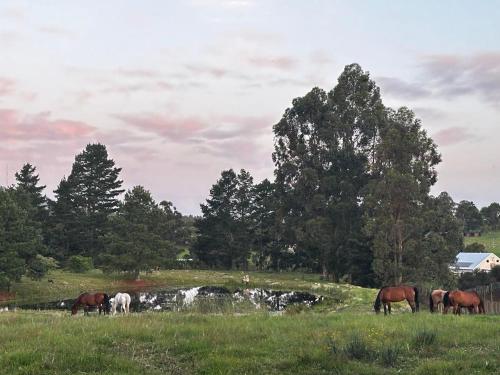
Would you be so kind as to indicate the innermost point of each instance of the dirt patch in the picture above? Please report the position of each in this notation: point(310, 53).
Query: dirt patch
point(7, 296)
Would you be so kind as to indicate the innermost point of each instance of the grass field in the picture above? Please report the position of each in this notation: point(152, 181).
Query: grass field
point(491, 240)
point(69, 285)
point(257, 343)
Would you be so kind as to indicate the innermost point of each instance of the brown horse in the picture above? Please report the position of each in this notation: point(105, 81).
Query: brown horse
point(458, 299)
point(87, 300)
point(389, 294)
point(436, 300)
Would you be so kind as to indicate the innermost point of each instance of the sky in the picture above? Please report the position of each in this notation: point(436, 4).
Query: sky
point(180, 90)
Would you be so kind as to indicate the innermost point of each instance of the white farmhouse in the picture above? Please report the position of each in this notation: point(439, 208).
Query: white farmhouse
point(470, 262)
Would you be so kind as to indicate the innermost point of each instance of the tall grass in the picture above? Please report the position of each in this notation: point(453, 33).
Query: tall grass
point(255, 343)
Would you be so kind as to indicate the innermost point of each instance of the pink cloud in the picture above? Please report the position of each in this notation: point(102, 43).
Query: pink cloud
point(174, 129)
point(198, 130)
point(6, 86)
point(16, 127)
point(452, 135)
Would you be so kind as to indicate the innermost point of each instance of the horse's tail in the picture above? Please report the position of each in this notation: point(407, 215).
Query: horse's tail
point(107, 304)
point(481, 306)
point(417, 302)
point(378, 303)
point(446, 299)
point(431, 303)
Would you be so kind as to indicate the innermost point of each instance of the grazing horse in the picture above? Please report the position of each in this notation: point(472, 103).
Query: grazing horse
point(99, 300)
point(389, 294)
point(458, 299)
point(122, 299)
point(436, 300)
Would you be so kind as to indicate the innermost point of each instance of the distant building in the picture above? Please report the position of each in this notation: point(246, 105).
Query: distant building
point(470, 262)
point(473, 233)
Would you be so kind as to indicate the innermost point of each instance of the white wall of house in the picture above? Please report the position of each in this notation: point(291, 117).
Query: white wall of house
point(488, 263)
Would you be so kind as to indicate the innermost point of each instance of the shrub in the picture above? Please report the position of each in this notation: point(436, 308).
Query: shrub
point(357, 348)
point(389, 355)
point(80, 264)
point(424, 338)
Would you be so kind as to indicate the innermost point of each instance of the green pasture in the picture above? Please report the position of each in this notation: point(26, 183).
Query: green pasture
point(256, 343)
point(69, 285)
point(490, 240)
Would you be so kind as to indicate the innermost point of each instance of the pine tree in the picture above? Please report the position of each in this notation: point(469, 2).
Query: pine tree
point(87, 197)
point(20, 241)
point(137, 240)
point(27, 184)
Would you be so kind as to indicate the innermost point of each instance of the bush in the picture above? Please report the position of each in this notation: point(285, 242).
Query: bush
point(356, 348)
point(424, 338)
point(80, 264)
point(389, 355)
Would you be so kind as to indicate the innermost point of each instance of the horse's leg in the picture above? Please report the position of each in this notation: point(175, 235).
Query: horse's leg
point(385, 309)
point(412, 305)
point(389, 308)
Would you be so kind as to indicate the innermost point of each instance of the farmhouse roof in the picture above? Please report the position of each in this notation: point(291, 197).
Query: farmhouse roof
point(469, 261)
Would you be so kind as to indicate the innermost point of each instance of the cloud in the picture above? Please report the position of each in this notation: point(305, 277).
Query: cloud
point(453, 135)
point(320, 57)
point(451, 76)
point(6, 86)
point(17, 127)
point(56, 31)
point(278, 62)
point(234, 4)
point(398, 88)
point(168, 127)
point(139, 73)
point(197, 130)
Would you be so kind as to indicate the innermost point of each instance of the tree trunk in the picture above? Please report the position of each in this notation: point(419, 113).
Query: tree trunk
point(136, 274)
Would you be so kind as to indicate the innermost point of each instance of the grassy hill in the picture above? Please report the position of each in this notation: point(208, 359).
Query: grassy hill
point(69, 285)
point(491, 240)
point(258, 343)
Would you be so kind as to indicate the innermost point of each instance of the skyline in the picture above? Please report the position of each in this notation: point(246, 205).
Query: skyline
point(179, 91)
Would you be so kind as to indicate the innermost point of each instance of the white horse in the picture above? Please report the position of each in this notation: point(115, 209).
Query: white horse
point(122, 299)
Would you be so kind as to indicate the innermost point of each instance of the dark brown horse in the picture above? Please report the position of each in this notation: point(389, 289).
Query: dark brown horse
point(389, 294)
point(458, 299)
point(87, 300)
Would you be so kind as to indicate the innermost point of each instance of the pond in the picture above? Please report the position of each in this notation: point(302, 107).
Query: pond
point(202, 299)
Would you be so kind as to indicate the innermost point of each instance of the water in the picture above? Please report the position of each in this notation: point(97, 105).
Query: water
point(201, 297)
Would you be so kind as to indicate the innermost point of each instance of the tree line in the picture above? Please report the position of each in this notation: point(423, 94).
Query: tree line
point(350, 199)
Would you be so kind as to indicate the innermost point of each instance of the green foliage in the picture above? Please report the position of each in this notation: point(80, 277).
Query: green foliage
point(83, 204)
point(321, 152)
point(225, 231)
point(404, 171)
point(140, 238)
point(475, 247)
point(491, 216)
point(20, 240)
point(80, 264)
point(469, 280)
point(470, 216)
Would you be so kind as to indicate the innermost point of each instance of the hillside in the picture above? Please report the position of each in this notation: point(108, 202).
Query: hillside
point(491, 240)
point(64, 285)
